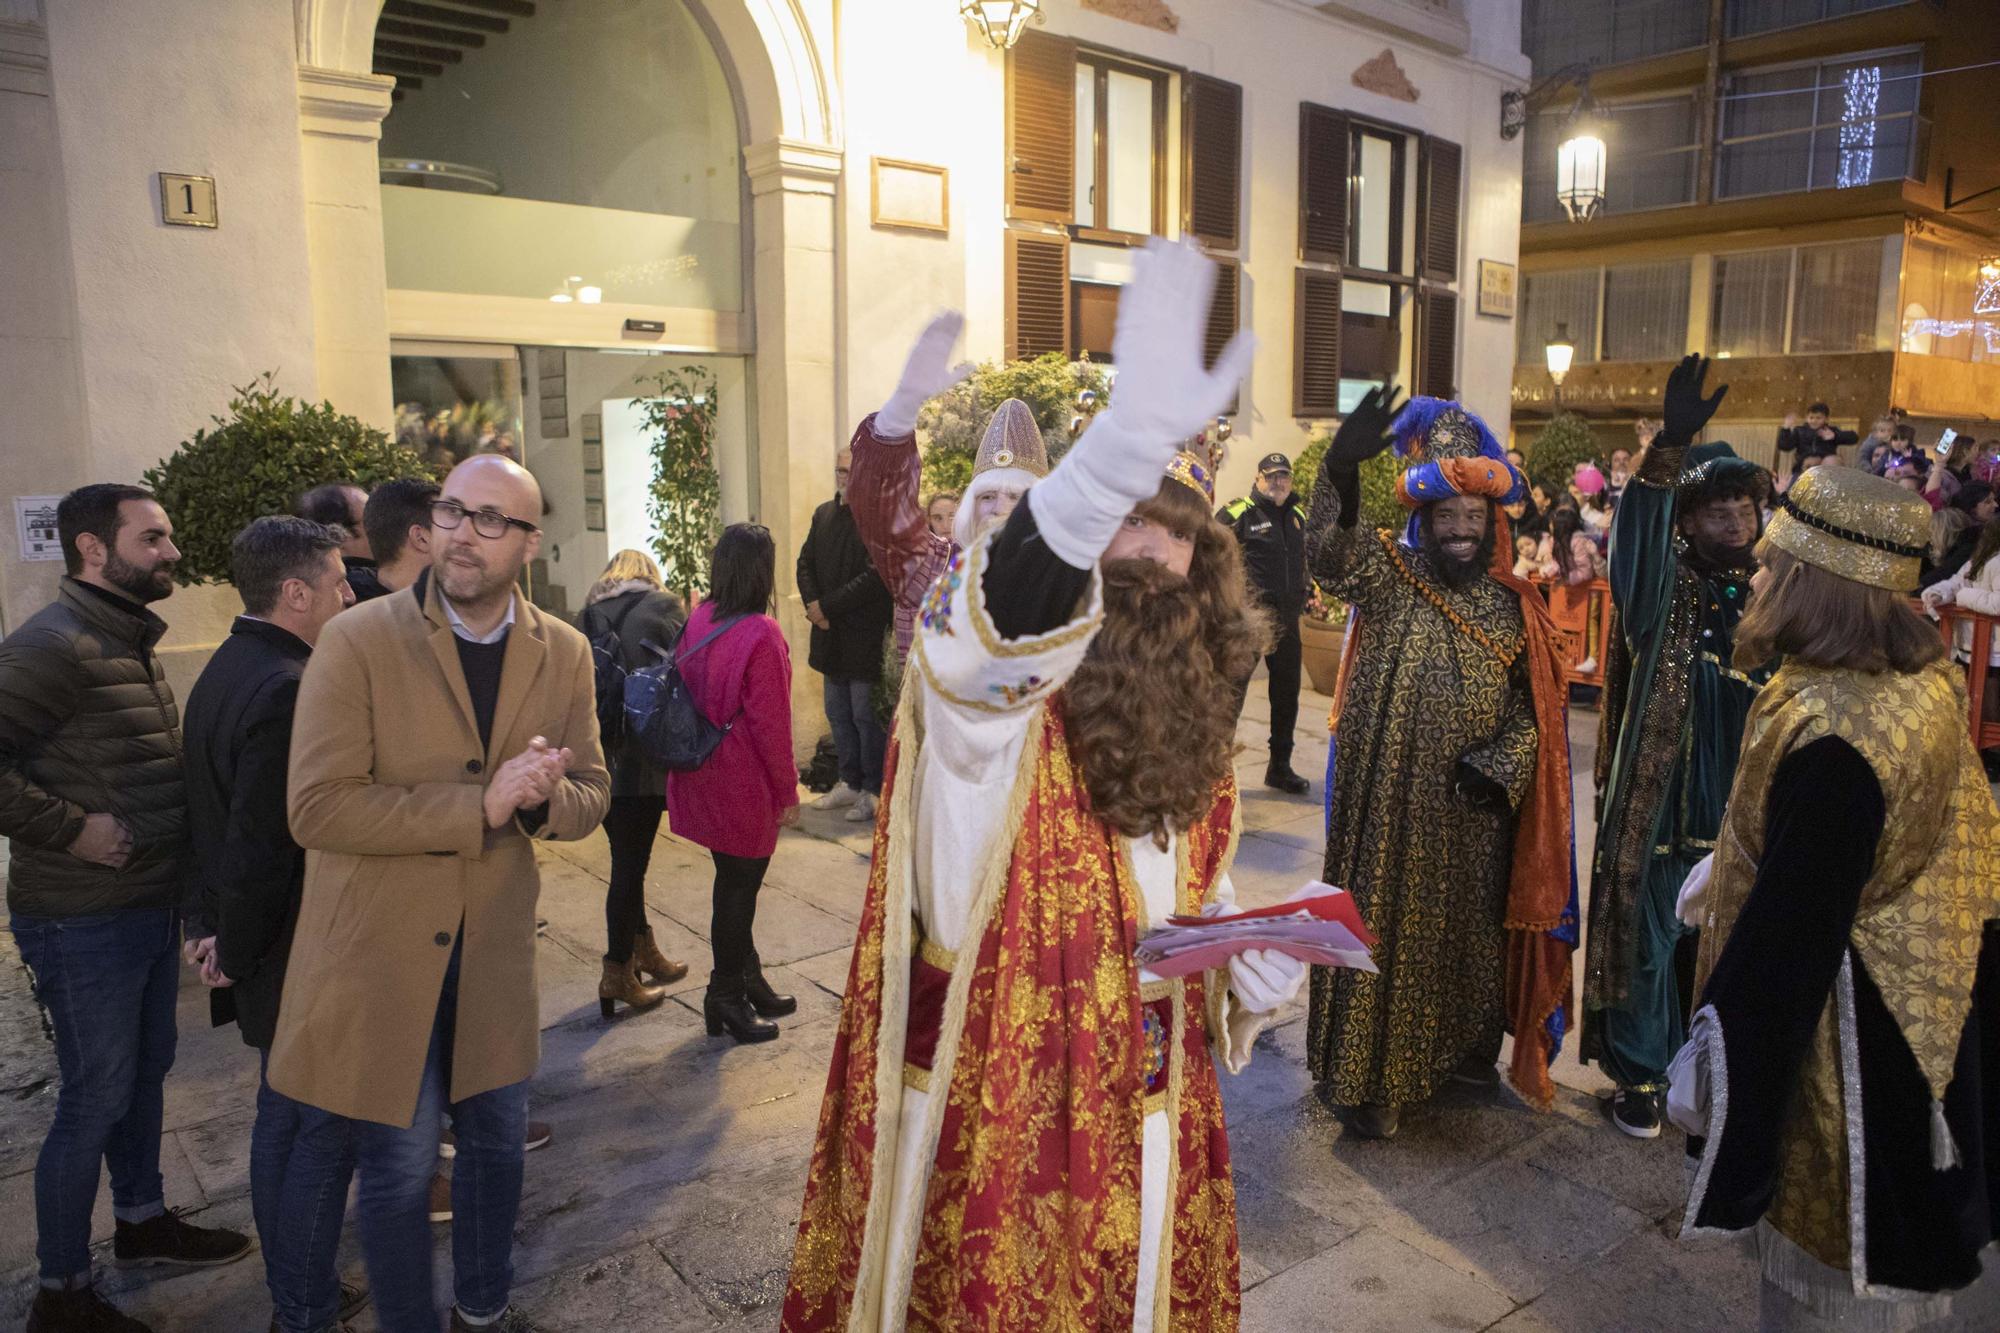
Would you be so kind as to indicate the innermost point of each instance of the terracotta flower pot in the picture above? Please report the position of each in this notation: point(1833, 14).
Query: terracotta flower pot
point(1320, 641)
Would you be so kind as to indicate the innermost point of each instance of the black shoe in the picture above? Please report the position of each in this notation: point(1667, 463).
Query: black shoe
point(353, 1300)
point(79, 1311)
point(167, 1239)
point(1635, 1112)
point(1279, 776)
point(511, 1320)
point(725, 1008)
point(767, 1002)
point(1375, 1122)
point(1479, 1069)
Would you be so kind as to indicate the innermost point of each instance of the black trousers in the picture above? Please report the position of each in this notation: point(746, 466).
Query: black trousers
point(737, 880)
point(1283, 663)
point(631, 823)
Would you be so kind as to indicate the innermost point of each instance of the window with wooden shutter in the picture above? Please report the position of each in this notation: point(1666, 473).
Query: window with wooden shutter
point(1316, 344)
point(1438, 210)
point(1037, 294)
point(1041, 129)
point(1225, 316)
point(1323, 134)
point(1212, 131)
point(1437, 343)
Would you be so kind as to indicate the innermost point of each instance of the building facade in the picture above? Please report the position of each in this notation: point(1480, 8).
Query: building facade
point(491, 223)
point(1806, 190)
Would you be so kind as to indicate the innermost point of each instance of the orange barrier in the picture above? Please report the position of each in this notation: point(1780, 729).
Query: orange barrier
point(1985, 735)
point(1582, 613)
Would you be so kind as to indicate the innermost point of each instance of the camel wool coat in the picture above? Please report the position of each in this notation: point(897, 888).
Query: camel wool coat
point(386, 783)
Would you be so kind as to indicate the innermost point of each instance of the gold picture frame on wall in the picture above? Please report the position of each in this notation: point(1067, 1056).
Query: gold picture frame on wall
point(1497, 284)
point(914, 196)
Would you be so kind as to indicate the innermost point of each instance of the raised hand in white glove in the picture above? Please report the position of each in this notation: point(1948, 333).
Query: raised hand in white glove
point(1164, 394)
point(927, 373)
point(1263, 979)
point(1693, 900)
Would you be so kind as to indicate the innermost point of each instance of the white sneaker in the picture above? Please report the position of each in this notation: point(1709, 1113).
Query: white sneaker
point(863, 810)
point(840, 798)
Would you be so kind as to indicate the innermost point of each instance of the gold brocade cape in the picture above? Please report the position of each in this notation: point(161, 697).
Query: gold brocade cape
point(1936, 879)
point(1038, 1077)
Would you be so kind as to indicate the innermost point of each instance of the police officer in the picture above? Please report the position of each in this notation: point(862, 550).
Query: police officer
point(1269, 523)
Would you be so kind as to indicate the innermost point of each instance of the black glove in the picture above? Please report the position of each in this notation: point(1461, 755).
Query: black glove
point(1478, 790)
point(1686, 411)
point(1365, 432)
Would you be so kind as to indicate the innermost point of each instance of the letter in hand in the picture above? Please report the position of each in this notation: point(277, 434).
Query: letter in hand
point(1165, 392)
point(1686, 411)
point(104, 840)
point(927, 373)
point(1365, 432)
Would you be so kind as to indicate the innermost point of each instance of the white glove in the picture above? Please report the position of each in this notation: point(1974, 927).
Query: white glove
point(1163, 395)
point(1263, 979)
point(927, 373)
point(1693, 898)
point(1935, 596)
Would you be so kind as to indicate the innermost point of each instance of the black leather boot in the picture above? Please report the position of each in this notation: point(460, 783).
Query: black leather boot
point(763, 999)
point(725, 1008)
point(1279, 776)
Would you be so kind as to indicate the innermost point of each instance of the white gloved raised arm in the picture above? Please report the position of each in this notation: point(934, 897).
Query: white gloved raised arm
point(1163, 395)
point(927, 372)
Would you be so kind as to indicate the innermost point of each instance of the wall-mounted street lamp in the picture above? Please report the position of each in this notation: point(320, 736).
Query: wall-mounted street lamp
point(1000, 21)
point(1582, 162)
point(1560, 351)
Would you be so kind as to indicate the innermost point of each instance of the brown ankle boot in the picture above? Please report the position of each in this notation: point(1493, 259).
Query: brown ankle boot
point(647, 960)
point(621, 983)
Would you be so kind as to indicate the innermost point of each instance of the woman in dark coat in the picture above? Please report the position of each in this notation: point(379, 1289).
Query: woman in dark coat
point(630, 601)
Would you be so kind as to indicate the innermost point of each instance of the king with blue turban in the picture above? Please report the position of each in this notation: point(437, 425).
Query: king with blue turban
point(1449, 800)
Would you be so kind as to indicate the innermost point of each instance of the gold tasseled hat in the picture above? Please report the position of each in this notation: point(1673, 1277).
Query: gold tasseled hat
point(1855, 525)
point(1012, 440)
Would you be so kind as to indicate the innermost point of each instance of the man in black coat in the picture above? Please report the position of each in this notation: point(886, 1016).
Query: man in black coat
point(850, 609)
point(1269, 524)
point(244, 887)
point(93, 802)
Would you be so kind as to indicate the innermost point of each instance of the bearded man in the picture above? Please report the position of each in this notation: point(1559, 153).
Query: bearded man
point(1449, 815)
point(886, 479)
point(1022, 1127)
point(1682, 549)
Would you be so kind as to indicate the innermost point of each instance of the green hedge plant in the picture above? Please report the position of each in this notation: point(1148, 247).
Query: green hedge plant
point(257, 460)
point(951, 424)
point(685, 497)
point(1552, 456)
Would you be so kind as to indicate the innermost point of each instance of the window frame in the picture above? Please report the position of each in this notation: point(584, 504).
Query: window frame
point(1912, 164)
point(1094, 230)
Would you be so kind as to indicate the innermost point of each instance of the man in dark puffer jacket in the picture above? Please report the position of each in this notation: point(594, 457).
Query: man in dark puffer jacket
point(92, 798)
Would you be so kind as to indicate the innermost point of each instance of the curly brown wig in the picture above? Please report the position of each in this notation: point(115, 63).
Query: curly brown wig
point(1151, 713)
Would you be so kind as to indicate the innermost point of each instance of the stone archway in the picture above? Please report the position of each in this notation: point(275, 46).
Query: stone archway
point(778, 61)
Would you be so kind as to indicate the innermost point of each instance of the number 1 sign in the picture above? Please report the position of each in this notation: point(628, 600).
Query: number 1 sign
point(187, 201)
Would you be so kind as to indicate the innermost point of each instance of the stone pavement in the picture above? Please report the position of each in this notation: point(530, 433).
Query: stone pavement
point(668, 1199)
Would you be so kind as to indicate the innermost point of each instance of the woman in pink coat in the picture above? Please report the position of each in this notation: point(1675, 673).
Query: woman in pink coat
point(735, 803)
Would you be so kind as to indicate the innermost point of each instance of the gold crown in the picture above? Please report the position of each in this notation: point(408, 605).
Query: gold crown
point(1192, 473)
point(1855, 525)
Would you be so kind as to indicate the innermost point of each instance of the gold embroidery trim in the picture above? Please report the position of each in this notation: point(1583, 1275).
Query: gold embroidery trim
point(930, 678)
point(1504, 656)
point(916, 1078)
point(937, 955)
point(1731, 672)
point(1151, 991)
point(989, 637)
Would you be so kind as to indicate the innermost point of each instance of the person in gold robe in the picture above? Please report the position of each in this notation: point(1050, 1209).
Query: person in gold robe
point(1841, 1078)
point(1449, 816)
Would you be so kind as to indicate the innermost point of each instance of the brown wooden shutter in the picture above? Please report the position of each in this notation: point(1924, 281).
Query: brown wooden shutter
point(1041, 129)
point(1212, 132)
point(1224, 311)
point(1438, 210)
point(1037, 294)
point(1323, 134)
point(1316, 344)
point(1437, 342)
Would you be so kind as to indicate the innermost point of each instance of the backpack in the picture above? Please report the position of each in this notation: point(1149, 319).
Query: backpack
point(661, 714)
point(608, 671)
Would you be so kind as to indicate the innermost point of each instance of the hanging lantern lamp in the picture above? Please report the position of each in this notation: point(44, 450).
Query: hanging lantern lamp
point(1000, 21)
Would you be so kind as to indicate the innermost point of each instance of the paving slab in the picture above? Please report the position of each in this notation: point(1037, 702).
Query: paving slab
point(634, 1291)
point(1375, 1282)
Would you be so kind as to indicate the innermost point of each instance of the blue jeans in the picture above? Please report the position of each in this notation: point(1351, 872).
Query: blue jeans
point(857, 737)
point(396, 1166)
point(108, 983)
point(300, 1166)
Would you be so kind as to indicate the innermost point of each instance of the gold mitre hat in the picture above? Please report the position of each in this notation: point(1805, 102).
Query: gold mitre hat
point(1012, 440)
point(1855, 525)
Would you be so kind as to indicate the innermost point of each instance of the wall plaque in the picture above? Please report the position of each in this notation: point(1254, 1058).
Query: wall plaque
point(1496, 288)
point(187, 201)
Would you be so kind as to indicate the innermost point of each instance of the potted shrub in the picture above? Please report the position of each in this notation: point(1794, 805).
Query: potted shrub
point(684, 499)
point(258, 460)
point(953, 422)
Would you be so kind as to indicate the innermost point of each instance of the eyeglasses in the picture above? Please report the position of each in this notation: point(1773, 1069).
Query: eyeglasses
point(448, 514)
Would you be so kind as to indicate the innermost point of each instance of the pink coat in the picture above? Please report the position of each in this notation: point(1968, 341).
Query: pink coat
point(732, 803)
